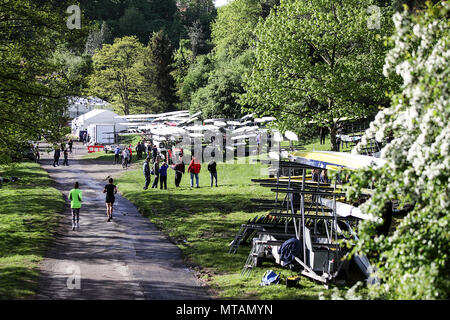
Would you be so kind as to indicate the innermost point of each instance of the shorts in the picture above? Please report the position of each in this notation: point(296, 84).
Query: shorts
point(110, 200)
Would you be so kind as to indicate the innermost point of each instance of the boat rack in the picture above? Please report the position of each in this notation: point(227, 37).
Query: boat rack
point(297, 212)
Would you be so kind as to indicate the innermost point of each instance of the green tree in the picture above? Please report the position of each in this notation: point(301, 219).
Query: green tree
point(413, 260)
point(218, 98)
point(97, 38)
point(319, 61)
point(196, 77)
point(196, 17)
point(33, 87)
point(233, 30)
point(116, 77)
point(159, 61)
point(138, 18)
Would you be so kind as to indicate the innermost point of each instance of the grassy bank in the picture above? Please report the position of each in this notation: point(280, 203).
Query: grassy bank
point(28, 210)
point(204, 221)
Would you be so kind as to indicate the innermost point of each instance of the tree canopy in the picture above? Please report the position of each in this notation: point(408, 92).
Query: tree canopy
point(413, 261)
point(319, 61)
point(34, 85)
point(116, 77)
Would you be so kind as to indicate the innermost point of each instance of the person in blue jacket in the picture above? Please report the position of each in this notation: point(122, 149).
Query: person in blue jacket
point(163, 175)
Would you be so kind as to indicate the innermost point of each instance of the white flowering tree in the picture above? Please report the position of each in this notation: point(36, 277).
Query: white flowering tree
point(413, 259)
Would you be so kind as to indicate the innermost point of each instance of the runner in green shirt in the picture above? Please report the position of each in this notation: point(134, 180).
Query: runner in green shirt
point(75, 203)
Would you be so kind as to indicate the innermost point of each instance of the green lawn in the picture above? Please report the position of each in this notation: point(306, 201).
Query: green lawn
point(27, 218)
point(204, 221)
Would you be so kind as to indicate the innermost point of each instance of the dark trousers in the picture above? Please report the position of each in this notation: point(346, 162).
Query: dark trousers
point(155, 182)
point(56, 161)
point(163, 182)
point(116, 158)
point(75, 215)
point(178, 176)
point(322, 139)
point(147, 181)
point(66, 162)
point(213, 175)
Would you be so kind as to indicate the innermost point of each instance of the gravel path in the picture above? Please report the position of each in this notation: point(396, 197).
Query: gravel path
point(127, 258)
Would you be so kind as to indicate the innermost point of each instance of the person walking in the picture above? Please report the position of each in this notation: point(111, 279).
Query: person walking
point(194, 169)
point(84, 138)
point(146, 170)
point(163, 175)
point(76, 198)
point(179, 171)
point(116, 155)
point(70, 145)
point(212, 168)
point(125, 155)
point(156, 172)
point(66, 156)
point(37, 155)
point(323, 134)
point(110, 190)
point(154, 153)
point(56, 156)
point(130, 154)
point(138, 150)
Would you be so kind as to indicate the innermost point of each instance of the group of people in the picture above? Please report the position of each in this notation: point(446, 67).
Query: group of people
point(320, 176)
point(124, 155)
point(159, 171)
point(154, 164)
point(85, 138)
point(66, 150)
point(76, 198)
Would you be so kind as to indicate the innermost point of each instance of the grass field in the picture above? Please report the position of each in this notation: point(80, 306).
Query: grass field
point(27, 218)
point(204, 221)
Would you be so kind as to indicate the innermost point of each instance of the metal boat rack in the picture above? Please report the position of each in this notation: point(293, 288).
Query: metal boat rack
point(297, 212)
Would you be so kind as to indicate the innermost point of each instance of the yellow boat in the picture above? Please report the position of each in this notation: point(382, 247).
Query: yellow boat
point(331, 160)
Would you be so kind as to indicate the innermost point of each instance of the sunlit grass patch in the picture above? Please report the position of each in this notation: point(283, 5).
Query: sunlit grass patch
point(28, 217)
point(203, 221)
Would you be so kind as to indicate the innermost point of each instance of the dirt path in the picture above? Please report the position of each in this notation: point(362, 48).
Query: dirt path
point(127, 258)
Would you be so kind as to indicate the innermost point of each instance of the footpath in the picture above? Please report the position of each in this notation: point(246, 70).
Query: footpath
point(127, 258)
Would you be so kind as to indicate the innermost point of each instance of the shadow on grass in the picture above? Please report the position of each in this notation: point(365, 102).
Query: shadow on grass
point(17, 282)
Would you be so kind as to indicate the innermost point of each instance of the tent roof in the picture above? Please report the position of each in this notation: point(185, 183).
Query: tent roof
point(100, 115)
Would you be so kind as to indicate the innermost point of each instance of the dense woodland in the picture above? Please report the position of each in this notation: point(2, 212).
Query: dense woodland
point(307, 63)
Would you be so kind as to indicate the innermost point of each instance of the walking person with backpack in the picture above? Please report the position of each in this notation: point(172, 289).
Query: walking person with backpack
point(212, 168)
point(75, 204)
point(110, 190)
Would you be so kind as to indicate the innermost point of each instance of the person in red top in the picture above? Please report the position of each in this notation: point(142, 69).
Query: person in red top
point(194, 169)
point(131, 153)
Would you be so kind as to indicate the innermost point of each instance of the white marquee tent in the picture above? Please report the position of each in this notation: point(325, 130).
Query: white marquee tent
point(98, 117)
